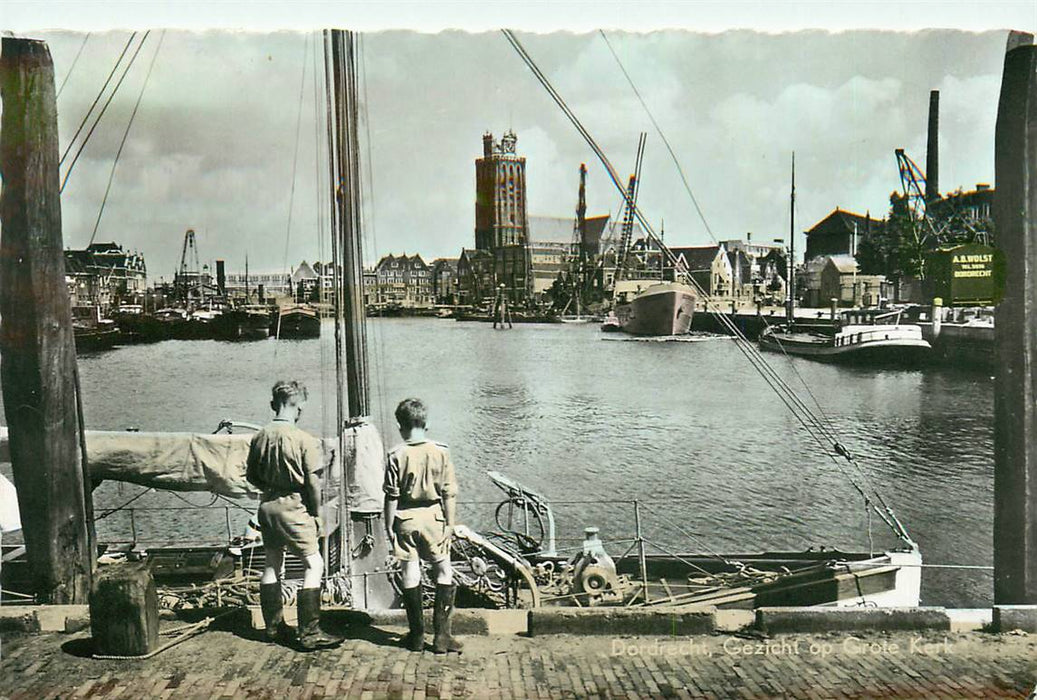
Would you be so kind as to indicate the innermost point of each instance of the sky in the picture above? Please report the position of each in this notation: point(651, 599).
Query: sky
point(225, 140)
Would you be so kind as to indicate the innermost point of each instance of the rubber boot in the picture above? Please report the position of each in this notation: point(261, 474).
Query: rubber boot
point(277, 630)
point(442, 618)
point(415, 639)
point(311, 636)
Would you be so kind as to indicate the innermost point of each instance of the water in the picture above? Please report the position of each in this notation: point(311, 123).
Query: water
point(689, 428)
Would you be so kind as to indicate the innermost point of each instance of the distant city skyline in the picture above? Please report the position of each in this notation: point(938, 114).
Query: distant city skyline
point(214, 140)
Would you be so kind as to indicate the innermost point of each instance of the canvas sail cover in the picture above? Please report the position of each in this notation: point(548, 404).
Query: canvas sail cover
point(365, 458)
point(186, 461)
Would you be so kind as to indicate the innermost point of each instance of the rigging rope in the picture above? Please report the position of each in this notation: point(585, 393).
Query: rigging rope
point(815, 427)
point(100, 93)
point(379, 373)
point(659, 131)
point(321, 231)
point(73, 66)
point(125, 134)
point(86, 139)
point(295, 155)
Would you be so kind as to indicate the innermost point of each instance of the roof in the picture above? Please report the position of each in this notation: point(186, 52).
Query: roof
point(303, 272)
point(414, 261)
point(847, 219)
point(697, 257)
point(740, 264)
point(551, 229)
point(845, 264)
point(475, 253)
point(596, 226)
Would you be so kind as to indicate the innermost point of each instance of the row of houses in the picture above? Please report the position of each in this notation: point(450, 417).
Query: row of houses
point(102, 277)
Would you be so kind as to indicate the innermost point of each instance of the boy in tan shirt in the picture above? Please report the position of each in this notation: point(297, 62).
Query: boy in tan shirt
point(283, 462)
point(420, 504)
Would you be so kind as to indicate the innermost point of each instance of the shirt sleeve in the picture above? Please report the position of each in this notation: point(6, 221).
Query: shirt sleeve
point(252, 464)
point(312, 455)
point(391, 484)
point(449, 479)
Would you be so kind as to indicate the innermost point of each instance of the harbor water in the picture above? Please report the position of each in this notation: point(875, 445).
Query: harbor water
point(593, 422)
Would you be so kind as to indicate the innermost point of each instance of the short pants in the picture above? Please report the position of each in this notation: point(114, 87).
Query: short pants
point(421, 532)
point(285, 524)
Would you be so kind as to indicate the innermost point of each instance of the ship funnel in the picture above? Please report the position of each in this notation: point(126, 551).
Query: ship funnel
point(932, 156)
point(221, 276)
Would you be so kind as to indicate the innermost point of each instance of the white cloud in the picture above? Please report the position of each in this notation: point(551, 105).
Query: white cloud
point(213, 143)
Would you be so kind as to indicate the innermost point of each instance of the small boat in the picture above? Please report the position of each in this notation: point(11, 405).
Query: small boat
point(653, 307)
point(95, 335)
point(296, 321)
point(244, 323)
point(859, 336)
point(611, 323)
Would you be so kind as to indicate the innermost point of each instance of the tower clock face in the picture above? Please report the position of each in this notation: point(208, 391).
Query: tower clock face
point(507, 146)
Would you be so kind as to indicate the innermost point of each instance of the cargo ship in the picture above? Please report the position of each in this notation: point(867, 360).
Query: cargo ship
point(654, 307)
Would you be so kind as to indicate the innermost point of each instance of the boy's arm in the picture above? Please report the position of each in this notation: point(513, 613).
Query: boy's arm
point(391, 488)
point(449, 496)
point(312, 465)
point(311, 494)
point(390, 515)
point(450, 510)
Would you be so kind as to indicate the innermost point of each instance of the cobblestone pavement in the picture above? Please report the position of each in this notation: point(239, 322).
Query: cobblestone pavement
point(229, 663)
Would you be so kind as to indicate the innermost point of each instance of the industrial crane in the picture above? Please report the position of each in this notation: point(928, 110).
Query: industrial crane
point(627, 231)
point(187, 277)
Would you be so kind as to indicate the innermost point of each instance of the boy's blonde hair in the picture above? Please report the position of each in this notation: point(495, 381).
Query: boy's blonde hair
point(288, 392)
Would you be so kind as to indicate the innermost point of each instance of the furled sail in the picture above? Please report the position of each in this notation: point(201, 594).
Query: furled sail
point(216, 463)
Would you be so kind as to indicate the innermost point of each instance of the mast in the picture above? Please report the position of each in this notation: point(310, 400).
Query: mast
point(37, 352)
point(578, 250)
point(346, 156)
point(790, 310)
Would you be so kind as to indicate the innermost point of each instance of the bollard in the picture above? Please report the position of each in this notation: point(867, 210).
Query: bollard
point(937, 316)
point(124, 611)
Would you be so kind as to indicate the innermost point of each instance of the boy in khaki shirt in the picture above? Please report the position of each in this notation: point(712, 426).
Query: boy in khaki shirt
point(420, 503)
point(283, 462)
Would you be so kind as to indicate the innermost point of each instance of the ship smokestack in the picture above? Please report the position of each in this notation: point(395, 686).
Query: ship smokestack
point(932, 156)
point(221, 277)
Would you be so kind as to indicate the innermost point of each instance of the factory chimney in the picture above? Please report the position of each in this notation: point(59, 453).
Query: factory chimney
point(932, 155)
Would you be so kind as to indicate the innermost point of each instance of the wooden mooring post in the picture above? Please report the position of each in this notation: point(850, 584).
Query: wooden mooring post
point(37, 352)
point(1015, 415)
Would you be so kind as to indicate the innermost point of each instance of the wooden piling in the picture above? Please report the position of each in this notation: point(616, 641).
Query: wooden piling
point(1015, 416)
point(37, 352)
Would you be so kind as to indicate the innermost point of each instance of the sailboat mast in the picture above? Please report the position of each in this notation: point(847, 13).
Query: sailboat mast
point(790, 310)
point(349, 222)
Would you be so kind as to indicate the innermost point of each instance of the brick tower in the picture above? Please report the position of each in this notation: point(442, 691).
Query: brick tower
point(500, 195)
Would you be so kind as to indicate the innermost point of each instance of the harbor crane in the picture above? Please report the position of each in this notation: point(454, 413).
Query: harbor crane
point(923, 224)
point(912, 184)
point(627, 230)
point(187, 277)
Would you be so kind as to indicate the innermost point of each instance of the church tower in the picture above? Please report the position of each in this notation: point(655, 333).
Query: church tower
point(500, 195)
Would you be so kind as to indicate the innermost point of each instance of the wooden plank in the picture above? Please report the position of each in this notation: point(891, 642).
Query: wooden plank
point(37, 355)
point(1015, 416)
